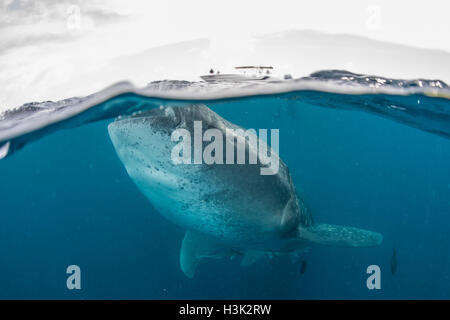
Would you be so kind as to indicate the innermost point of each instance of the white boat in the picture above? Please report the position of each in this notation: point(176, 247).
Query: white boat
point(249, 73)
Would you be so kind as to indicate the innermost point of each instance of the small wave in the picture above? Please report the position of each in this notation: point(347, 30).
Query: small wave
point(420, 103)
point(4, 149)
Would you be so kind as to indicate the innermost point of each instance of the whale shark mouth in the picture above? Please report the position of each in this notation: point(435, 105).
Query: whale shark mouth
point(142, 142)
point(163, 120)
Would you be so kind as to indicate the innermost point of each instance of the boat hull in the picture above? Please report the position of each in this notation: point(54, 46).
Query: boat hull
point(232, 78)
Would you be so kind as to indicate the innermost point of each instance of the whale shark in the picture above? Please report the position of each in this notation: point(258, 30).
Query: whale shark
point(228, 210)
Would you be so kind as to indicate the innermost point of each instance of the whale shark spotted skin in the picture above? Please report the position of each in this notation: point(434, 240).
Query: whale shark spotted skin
point(227, 209)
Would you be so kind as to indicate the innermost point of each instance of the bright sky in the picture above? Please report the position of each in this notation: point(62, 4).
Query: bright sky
point(412, 22)
point(44, 43)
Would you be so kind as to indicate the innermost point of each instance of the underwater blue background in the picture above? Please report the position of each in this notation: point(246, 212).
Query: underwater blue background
point(67, 199)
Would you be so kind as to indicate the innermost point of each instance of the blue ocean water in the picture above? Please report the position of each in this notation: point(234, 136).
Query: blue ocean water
point(376, 161)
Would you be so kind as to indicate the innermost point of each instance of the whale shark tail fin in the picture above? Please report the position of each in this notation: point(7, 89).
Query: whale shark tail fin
point(340, 236)
point(195, 247)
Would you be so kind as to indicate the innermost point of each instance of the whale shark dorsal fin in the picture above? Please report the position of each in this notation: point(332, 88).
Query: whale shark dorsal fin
point(340, 236)
point(196, 246)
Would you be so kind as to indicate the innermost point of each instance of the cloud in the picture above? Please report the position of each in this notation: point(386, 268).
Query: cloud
point(16, 12)
point(33, 40)
point(33, 22)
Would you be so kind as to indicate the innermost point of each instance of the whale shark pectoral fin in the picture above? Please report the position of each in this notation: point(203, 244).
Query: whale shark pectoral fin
point(340, 236)
point(195, 247)
point(252, 256)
